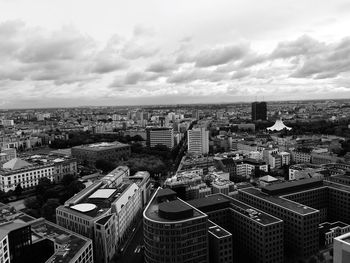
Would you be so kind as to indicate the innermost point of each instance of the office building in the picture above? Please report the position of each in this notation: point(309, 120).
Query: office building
point(174, 231)
point(106, 211)
point(90, 153)
point(341, 249)
point(259, 111)
point(198, 141)
point(256, 236)
point(160, 136)
point(27, 239)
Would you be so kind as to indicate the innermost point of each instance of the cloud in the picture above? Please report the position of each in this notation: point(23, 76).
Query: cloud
point(304, 45)
point(161, 66)
point(220, 55)
point(328, 62)
point(240, 74)
point(134, 50)
point(64, 44)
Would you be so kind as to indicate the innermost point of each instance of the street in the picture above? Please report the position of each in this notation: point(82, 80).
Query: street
point(133, 252)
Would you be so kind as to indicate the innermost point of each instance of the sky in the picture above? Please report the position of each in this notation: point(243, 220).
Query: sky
point(64, 53)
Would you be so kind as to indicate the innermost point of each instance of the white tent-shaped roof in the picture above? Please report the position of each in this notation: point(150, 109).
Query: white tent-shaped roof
point(278, 126)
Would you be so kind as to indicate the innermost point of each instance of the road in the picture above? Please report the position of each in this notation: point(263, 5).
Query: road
point(18, 205)
point(133, 253)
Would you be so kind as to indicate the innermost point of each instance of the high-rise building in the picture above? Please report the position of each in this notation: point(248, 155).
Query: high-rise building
point(160, 136)
point(259, 111)
point(198, 140)
point(174, 231)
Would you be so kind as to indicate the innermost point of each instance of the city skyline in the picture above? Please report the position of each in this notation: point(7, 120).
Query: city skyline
point(63, 54)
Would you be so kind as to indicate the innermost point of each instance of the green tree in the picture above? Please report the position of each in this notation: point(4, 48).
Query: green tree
point(18, 190)
point(48, 210)
point(32, 203)
point(43, 184)
point(67, 179)
point(104, 165)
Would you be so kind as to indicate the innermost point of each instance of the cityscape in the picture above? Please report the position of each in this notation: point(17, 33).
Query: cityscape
point(174, 131)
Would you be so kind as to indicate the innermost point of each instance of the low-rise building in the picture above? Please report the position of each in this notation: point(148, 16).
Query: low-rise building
point(90, 153)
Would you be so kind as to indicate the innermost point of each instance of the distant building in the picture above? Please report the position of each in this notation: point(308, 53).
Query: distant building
point(259, 111)
point(28, 172)
point(90, 153)
point(198, 140)
point(160, 136)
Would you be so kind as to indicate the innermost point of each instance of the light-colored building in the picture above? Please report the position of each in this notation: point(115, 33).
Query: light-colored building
point(4, 247)
point(198, 140)
point(28, 172)
point(305, 170)
point(341, 249)
point(160, 136)
point(106, 210)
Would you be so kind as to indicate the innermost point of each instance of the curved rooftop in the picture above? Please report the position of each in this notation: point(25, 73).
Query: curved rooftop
point(84, 207)
point(175, 210)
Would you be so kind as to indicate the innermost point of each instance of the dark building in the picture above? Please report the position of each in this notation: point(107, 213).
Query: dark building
point(90, 153)
point(256, 236)
point(20, 240)
point(259, 111)
point(174, 231)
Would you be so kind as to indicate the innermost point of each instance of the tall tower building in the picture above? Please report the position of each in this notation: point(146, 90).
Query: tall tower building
point(160, 136)
point(198, 141)
point(174, 231)
point(259, 111)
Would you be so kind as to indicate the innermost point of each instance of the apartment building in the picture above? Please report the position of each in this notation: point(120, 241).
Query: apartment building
point(198, 140)
point(160, 136)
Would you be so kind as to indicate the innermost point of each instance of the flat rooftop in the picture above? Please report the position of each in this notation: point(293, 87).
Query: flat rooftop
point(219, 231)
point(72, 243)
point(299, 185)
point(97, 203)
point(152, 210)
point(8, 214)
point(220, 201)
point(101, 146)
point(280, 201)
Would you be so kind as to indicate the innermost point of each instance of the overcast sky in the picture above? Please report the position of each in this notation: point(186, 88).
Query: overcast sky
point(112, 52)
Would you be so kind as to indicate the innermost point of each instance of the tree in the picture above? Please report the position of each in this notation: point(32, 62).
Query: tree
point(43, 184)
point(32, 203)
point(104, 165)
point(67, 179)
point(313, 260)
point(18, 190)
point(48, 211)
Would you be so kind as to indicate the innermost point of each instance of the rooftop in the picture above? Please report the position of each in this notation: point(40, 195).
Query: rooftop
point(178, 209)
point(219, 231)
point(220, 201)
point(98, 202)
point(287, 204)
point(288, 186)
point(101, 146)
point(71, 243)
